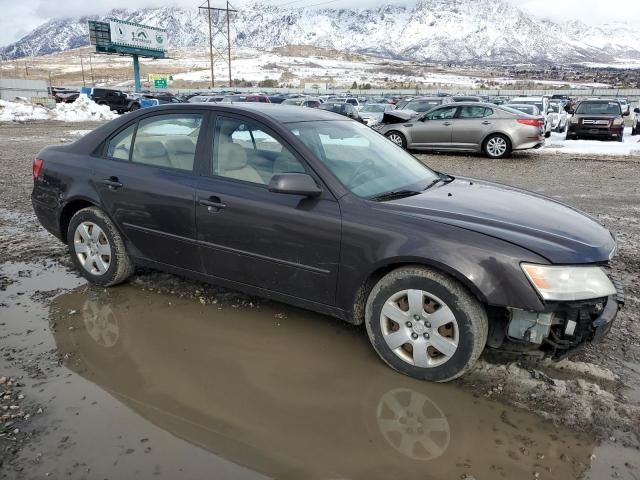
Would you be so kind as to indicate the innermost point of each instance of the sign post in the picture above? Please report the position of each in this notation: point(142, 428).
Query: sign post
point(120, 37)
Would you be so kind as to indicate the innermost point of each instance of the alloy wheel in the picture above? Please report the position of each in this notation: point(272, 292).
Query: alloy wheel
point(496, 146)
point(396, 138)
point(92, 248)
point(419, 328)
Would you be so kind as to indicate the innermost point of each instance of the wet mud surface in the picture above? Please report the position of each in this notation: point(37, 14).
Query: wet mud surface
point(168, 378)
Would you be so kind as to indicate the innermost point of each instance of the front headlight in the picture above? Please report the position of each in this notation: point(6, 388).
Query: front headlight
point(573, 120)
point(566, 283)
point(618, 121)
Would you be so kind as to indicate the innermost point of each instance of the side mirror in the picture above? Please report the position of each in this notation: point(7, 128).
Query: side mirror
point(625, 114)
point(294, 184)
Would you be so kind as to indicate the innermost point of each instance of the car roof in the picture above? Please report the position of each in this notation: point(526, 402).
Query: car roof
point(277, 112)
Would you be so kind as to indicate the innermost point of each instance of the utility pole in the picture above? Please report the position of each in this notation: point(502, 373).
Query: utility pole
point(228, 44)
point(84, 84)
point(93, 81)
point(219, 29)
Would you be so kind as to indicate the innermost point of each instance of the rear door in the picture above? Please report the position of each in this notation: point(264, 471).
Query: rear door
point(471, 125)
point(147, 184)
point(283, 243)
point(434, 129)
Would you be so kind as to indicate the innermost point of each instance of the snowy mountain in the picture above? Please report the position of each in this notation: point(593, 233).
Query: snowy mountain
point(471, 31)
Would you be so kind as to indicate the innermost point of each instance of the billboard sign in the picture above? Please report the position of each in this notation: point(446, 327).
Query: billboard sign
point(126, 38)
point(136, 35)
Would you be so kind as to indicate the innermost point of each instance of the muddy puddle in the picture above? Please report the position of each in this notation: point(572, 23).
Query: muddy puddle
point(157, 385)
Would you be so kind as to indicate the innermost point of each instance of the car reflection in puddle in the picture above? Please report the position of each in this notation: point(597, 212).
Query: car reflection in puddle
point(291, 394)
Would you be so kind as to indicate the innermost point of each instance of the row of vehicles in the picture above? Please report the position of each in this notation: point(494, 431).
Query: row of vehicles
point(442, 122)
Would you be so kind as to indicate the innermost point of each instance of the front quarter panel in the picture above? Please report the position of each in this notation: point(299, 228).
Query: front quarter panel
point(375, 238)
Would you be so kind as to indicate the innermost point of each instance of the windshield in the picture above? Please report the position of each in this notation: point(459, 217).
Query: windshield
point(554, 107)
point(373, 108)
point(599, 108)
point(364, 161)
point(422, 105)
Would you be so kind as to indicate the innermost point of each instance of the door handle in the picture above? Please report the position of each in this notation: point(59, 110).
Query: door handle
point(486, 122)
point(446, 124)
point(213, 204)
point(112, 183)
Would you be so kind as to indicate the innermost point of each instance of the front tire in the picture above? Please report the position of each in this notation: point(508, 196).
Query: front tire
point(397, 138)
point(425, 324)
point(97, 248)
point(497, 146)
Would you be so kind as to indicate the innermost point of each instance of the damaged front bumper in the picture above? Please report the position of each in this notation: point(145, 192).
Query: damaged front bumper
point(564, 327)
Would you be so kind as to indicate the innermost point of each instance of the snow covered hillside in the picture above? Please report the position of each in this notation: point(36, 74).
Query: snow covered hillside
point(473, 31)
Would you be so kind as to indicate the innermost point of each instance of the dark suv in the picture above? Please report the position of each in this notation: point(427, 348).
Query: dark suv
point(601, 119)
point(115, 99)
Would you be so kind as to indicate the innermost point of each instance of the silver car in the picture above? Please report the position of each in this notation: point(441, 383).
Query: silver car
point(372, 113)
point(468, 127)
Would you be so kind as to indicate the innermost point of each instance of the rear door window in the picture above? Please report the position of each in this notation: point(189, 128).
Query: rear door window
point(120, 146)
point(167, 141)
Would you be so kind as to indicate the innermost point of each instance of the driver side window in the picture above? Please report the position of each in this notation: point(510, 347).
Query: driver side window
point(442, 113)
point(244, 151)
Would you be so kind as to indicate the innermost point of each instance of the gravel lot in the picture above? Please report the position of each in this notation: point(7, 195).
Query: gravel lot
point(146, 406)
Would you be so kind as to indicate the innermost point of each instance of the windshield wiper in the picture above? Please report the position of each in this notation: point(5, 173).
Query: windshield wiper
point(442, 177)
point(394, 195)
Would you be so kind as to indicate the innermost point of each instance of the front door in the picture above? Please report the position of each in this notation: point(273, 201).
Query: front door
point(434, 128)
point(283, 243)
point(147, 185)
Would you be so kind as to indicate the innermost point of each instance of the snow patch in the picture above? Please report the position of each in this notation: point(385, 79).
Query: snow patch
point(559, 144)
point(82, 110)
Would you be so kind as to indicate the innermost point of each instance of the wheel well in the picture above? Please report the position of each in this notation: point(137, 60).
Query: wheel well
point(357, 314)
point(68, 212)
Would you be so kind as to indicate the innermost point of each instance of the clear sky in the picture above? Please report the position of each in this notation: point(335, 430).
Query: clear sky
point(20, 17)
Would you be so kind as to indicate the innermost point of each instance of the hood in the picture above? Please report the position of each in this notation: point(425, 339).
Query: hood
point(548, 228)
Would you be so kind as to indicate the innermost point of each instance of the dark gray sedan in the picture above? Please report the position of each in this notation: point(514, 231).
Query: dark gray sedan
point(310, 208)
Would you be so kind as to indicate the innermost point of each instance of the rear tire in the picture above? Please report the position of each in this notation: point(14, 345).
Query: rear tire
point(425, 324)
point(496, 146)
point(397, 138)
point(97, 249)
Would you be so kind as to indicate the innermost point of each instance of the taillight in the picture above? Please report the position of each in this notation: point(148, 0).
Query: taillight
point(38, 163)
point(532, 122)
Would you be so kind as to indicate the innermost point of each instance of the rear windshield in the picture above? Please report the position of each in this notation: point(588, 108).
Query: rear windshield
point(599, 108)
